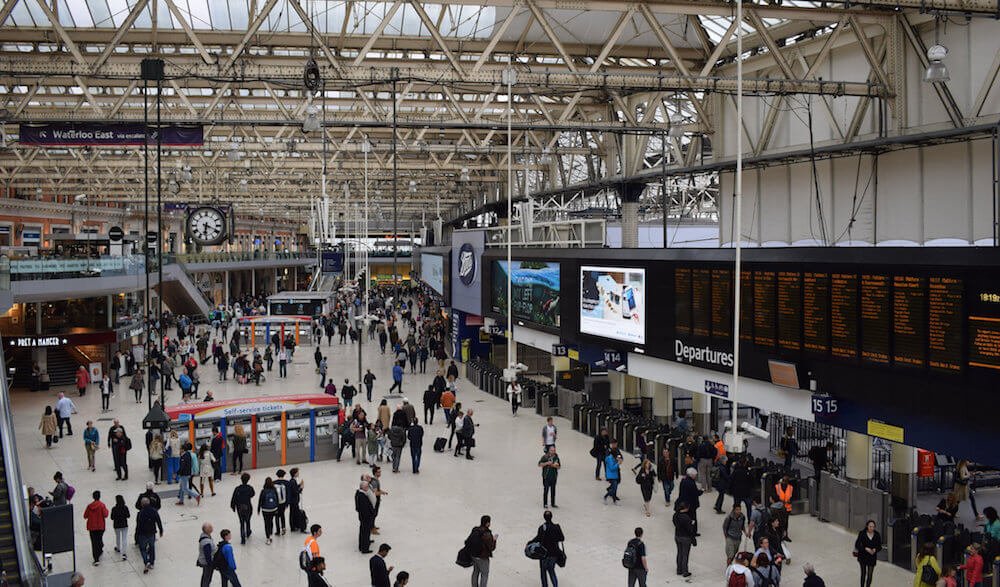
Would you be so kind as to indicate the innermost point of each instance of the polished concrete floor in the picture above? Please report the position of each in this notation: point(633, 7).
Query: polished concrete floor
point(425, 517)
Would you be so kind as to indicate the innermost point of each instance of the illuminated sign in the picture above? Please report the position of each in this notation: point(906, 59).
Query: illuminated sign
point(29, 342)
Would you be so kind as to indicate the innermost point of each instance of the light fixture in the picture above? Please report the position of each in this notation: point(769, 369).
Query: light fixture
point(465, 174)
point(546, 157)
point(311, 123)
point(936, 71)
point(366, 146)
point(676, 127)
point(234, 152)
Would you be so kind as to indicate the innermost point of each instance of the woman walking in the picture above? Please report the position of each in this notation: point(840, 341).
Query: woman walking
point(646, 478)
point(928, 570)
point(267, 506)
point(119, 521)
point(239, 448)
point(48, 426)
point(206, 469)
point(156, 457)
point(866, 548)
point(138, 384)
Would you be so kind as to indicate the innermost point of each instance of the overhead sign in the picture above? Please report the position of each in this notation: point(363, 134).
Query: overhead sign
point(560, 350)
point(41, 341)
point(331, 262)
point(887, 431)
point(466, 270)
point(824, 405)
point(106, 133)
point(717, 389)
point(29, 342)
point(116, 234)
point(250, 406)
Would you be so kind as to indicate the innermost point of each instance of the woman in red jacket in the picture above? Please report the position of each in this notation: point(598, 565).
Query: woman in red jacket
point(82, 380)
point(95, 514)
point(973, 567)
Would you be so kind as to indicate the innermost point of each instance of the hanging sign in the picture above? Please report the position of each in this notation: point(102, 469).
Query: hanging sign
point(106, 133)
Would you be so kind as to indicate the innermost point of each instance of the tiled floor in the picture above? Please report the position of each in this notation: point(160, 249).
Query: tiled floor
point(425, 518)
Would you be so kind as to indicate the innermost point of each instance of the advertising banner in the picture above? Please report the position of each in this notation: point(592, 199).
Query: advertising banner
point(79, 134)
point(466, 270)
point(613, 303)
point(535, 286)
point(432, 271)
point(249, 406)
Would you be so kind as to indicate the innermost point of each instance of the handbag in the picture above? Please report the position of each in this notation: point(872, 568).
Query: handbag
point(561, 557)
point(463, 559)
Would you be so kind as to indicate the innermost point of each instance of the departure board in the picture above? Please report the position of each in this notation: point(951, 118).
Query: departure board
point(984, 342)
point(790, 310)
point(765, 308)
point(722, 303)
point(701, 302)
point(909, 320)
point(682, 300)
point(875, 312)
point(944, 323)
point(816, 312)
point(746, 306)
point(844, 315)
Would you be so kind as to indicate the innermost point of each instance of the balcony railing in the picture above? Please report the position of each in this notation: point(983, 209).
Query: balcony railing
point(66, 268)
point(233, 257)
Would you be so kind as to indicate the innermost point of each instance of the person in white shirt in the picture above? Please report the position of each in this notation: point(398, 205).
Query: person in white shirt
point(64, 409)
point(549, 433)
point(283, 362)
point(514, 395)
point(740, 566)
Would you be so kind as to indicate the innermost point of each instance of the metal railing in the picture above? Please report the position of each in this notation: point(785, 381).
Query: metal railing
point(35, 268)
point(236, 256)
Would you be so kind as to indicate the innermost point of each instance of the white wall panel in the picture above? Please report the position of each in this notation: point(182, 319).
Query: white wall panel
point(947, 193)
point(899, 210)
point(981, 180)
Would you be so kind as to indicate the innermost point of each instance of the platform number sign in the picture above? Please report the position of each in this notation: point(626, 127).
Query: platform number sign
point(559, 350)
point(824, 405)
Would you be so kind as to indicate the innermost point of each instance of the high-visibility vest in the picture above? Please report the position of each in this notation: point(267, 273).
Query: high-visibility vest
point(784, 496)
point(720, 450)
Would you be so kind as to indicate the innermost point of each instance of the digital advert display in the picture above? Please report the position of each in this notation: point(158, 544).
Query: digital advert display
point(613, 303)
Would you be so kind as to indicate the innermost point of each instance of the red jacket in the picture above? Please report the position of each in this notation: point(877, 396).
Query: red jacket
point(973, 569)
point(95, 515)
point(82, 378)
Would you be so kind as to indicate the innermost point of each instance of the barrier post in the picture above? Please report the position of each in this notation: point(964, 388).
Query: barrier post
point(996, 572)
point(312, 436)
point(253, 441)
point(296, 333)
point(913, 550)
point(284, 436)
point(282, 335)
point(267, 333)
point(253, 334)
point(938, 551)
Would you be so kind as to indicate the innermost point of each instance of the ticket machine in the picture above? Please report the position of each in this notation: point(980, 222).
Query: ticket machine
point(326, 439)
point(245, 423)
point(298, 436)
point(203, 433)
point(268, 441)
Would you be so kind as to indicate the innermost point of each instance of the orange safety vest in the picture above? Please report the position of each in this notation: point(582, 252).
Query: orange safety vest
point(720, 450)
point(784, 496)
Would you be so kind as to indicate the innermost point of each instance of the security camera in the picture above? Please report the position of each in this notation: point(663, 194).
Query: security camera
point(519, 367)
point(751, 429)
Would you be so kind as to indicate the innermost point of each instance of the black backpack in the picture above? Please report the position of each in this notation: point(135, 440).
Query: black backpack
point(219, 562)
point(630, 558)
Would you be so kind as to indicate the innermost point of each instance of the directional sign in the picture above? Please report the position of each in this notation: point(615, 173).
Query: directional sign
point(116, 234)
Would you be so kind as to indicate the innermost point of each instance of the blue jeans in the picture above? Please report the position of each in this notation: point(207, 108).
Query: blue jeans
point(668, 488)
point(229, 576)
point(547, 568)
point(173, 464)
point(612, 491)
point(185, 489)
point(147, 548)
point(415, 454)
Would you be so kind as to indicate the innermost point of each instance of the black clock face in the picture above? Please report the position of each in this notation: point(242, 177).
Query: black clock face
point(207, 226)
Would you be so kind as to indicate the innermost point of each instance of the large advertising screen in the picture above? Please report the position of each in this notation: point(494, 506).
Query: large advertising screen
point(432, 271)
point(613, 303)
point(466, 273)
point(534, 291)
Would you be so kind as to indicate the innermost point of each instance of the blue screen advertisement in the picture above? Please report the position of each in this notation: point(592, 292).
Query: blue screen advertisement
point(535, 291)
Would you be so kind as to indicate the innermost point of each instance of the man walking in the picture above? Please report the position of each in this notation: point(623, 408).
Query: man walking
point(689, 493)
point(639, 568)
point(612, 473)
point(242, 504)
point(218, 449)
point(397, 377)
point(65, 408)
point(366, 517)
point(684, 537)
point(147, 522)
point(369, 380)
point(282, 363)
point(468, 434)
point(184, 476)
point(120, 445)
point(95, 514)
point(480, 545)
point(416, 437)
point(549, 433)
point(206, 554)
point(397, 440)
point(431, 400)
point(550, 535)
point(549, 464)
point(227, 566)
point(377, 569)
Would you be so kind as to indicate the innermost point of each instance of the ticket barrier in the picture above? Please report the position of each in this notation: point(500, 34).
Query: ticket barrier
point(230, 424)
point(298, 436)
point(326, 440)
point(268, 441)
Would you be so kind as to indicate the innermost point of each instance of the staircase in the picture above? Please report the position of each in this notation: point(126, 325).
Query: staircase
point(8, 548)
point(61, 367)
point(181, 294)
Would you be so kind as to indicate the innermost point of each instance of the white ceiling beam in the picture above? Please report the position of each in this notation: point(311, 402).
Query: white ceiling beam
point(189, 32)
point(436, 34)
point(250, 32)
point(363, 52)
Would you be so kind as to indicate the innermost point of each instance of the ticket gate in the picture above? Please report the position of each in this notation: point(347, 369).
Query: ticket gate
point(245, 423)
point(268, 441)
point(298, 436)
point(326, 440)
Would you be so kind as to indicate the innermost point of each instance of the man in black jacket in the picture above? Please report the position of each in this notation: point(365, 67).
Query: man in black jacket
point(741, 485)
point(684, 537)
point(152, 496)
point(551, 537)
point(722, 481)
point(601, 443)
point(242, 504)
point(366, 517)
point(468, 433)
point(452, 370)
point(430, 404)
point(147, 522)
point(416, 437)
point(377, 568)
point(218, 449)
point(689, 494)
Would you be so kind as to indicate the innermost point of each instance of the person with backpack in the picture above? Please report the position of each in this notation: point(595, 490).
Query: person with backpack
point(684, 537)
point(242, 504)
point(314, 573)
point(634, 560)
point(928, 571)
point(267, 506)
point(765, 571)
point(225, 562)
point(348, 392)
point(551, 537)
point(738, 574)
point(721, 478)
point(480, 546)
point(733, 530)
point(184, 472)
point(206, 555)
point(281, 486)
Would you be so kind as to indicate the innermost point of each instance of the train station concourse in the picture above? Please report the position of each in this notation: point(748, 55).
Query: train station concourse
point(524, 292)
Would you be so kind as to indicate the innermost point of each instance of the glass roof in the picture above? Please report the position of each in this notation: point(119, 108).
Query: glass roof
point(229, 15)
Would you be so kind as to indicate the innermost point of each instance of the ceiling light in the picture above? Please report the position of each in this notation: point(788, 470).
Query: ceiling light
point(676, 127)
point(311, 123)
point(234, 151)
point(936, 71)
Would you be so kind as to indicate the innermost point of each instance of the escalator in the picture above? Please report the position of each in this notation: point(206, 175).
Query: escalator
point(180, 294)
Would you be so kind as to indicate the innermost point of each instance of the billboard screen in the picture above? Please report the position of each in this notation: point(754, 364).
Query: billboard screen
point(535, 291)
point(613, 303)
point(466, 270)
point(432, 271)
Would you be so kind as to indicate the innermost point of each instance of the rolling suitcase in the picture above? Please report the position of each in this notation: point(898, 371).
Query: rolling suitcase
point(439, 444)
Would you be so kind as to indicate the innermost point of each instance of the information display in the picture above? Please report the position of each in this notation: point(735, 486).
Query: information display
point(790, 310)
point(875, 312)
point(701, 302)
point(816, 312)
point(844, 315)
point(909, 320)
point(682, 301)
point(613, 303)
point(722, 302)
point(535, 291)
point(765, 308)
point(432, 271)
point(944, 323)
